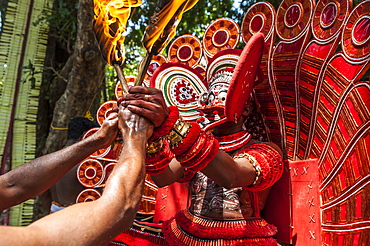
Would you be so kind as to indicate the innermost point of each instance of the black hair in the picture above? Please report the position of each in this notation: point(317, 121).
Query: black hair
point(78, 126)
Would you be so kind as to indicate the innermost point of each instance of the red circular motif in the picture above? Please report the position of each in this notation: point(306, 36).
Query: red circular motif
point(155, 63)
point(220, 35)
point(101, 152)
point(328, 15)
point(186, 49)
point(293, 18)
point(328, 19)
point(88, 195)
point(220, 38)
point(185, 53)
point(90, 173)
point(259, 18)
point(355, 38)
point(152, 67)
point(257, 23)
point(104, 111)
point(361, 31)
point(292, 15)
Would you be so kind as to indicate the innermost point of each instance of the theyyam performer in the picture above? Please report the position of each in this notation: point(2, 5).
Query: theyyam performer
point(230, 174)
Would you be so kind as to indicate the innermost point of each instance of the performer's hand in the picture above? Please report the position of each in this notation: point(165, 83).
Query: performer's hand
point(133, 125)
point(108, 130)
point(147, 102)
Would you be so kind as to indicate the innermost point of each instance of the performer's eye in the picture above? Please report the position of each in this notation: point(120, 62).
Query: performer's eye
point(222, 96)
point(203, 98)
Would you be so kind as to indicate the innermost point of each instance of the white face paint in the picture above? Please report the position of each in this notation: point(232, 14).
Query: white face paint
point(217, 94)
point(212, 102)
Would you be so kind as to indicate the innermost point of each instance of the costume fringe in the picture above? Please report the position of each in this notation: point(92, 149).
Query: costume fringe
point(212, 232)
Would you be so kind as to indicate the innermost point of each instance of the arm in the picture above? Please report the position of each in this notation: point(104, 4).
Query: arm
point(38, 175)
point(223, 169)
point(96, 222)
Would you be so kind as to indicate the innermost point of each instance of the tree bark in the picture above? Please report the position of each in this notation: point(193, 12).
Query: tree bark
point(60, 100)
point(84, 80)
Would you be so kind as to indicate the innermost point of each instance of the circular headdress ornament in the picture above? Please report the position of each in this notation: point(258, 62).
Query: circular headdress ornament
point(88, 195)
point(105, 110)
point(156, 62)
point(328, 19)
point(356, 33)
point(186, 49)
point(118, 89)
point(221, 34)
point(90, 173)
point(259, 18)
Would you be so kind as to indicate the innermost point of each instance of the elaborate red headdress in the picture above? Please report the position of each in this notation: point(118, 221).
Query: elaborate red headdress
point(231, 69)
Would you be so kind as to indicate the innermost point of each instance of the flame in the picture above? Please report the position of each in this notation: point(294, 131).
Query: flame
point(163, 24)
point(110, 21)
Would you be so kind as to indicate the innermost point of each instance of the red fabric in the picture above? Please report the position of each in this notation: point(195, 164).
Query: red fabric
point(169, 200)
point(135, 238)
point(224, 229)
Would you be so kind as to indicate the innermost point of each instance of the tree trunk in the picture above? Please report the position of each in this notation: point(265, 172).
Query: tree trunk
point(84, 71)
point(84, 80)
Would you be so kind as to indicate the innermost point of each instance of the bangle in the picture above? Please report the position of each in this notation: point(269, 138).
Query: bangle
point(194, 150)
point(201, 153)
point(187, 142)
point(270, 165)
point(157, 163)
point(205, 155)
point(211, 155)
point(166, 127)
point(179, 131)
point(255, 165)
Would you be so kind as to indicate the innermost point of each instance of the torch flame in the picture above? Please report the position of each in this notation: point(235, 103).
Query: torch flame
point(110, 21)
point(164, 22)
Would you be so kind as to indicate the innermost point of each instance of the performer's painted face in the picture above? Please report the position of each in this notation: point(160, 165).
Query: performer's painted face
point(212, 102)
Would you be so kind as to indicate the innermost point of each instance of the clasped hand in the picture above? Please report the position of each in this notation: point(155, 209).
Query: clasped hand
point(133, 125)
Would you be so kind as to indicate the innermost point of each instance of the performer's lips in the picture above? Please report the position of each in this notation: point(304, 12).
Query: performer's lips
point(213, 111)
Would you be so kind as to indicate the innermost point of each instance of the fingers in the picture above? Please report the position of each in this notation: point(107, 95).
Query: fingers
point(142, 90)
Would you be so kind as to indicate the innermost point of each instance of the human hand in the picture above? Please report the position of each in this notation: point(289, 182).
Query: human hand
point(133, 125)
point(147, 102)
point(108, 131)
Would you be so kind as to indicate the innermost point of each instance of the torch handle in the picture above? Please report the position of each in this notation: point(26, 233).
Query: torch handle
point(143, 68)
point(121, 78)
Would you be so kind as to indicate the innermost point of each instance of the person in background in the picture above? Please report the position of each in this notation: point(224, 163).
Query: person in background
point(64, 192)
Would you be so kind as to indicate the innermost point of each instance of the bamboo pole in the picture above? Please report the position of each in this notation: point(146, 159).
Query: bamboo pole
point(143, 69)
point(121, 78)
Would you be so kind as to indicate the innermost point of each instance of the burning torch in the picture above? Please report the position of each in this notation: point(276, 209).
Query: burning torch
point(161, 29)
point(110, 21)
